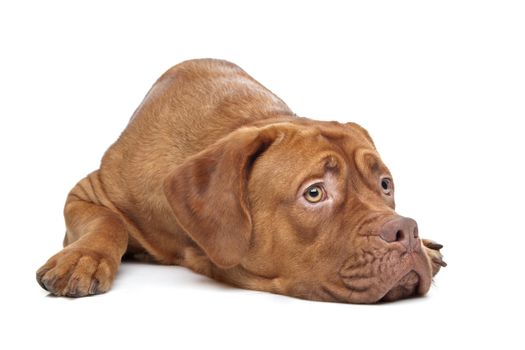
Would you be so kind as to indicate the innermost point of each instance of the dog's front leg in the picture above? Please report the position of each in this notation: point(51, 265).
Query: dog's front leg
point(95, 241)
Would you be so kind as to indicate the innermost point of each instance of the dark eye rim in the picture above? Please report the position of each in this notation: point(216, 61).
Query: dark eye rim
point(387, 185)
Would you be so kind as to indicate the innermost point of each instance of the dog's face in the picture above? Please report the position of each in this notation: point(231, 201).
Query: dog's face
point(309, 206)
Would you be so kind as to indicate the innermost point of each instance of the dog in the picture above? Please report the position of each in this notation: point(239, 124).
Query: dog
point(214, 172)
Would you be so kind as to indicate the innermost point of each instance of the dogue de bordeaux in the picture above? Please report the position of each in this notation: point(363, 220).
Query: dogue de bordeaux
point(214, 172)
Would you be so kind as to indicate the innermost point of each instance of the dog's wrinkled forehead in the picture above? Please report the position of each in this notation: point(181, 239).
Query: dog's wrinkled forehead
point(349, 139)
point(363, 154)
point(305, 150)
point(361, 132)
point(351, 134)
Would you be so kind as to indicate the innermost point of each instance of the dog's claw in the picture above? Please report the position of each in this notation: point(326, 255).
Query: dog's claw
point(76, 272)
point(439, 262)
point(433, 252)
point(431, 244)
point(434, 245)
point(93, 288)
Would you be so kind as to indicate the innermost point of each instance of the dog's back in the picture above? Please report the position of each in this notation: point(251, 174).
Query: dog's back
point(190, 107)
point(195, 103)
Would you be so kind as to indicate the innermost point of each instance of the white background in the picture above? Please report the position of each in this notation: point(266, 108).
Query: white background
point(440, 85)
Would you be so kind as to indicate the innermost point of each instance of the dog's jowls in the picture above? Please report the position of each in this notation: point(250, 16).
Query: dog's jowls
point(214, 172)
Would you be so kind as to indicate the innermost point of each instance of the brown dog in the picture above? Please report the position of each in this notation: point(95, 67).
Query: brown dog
point(214, 172)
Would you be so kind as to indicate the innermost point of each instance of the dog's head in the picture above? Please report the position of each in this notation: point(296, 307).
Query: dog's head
point(304, 209)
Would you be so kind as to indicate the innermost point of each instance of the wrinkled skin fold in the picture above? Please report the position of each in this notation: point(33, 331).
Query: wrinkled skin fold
point(216, 173)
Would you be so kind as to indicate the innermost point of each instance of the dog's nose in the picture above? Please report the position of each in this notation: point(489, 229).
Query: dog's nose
point(402, 230)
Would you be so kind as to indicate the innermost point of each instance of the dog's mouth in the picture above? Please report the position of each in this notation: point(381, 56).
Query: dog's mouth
point(406, 287)
point(371, 282)
point(415, 282)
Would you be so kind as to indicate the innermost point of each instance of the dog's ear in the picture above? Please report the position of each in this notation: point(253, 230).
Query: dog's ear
point(207, 193)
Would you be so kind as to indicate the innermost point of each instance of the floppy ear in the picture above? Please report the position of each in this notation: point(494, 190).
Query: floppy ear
point(207, 194)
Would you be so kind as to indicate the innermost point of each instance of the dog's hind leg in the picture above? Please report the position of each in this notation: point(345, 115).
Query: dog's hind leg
point(95, 241)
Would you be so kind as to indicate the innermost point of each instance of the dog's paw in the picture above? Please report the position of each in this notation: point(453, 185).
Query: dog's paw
point(77, 272)
point(432, 250)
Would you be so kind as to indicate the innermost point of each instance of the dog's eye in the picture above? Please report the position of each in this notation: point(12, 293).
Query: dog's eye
point(314, 194)
point(387, 186)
